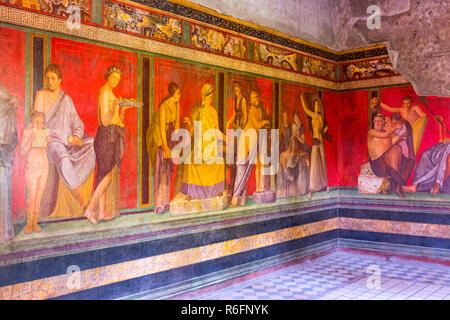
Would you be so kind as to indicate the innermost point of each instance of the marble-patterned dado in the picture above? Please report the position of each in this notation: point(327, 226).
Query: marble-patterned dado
point(91, 278)
point(60, 285)
point(396, 227)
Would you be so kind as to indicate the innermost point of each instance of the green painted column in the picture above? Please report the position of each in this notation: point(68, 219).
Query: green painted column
point(96, 11)
point(251, 50)
point(299, 62)
point(186, 33)
point(338, 72)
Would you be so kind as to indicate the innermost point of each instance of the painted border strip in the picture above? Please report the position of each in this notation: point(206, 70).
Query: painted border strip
point(182, 42)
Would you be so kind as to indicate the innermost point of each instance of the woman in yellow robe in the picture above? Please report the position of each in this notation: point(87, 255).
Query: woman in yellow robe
point(203, 179)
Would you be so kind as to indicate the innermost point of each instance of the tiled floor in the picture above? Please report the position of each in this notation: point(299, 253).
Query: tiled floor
point(345, 276)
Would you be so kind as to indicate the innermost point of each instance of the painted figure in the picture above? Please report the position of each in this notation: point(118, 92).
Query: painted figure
point(159, 145)
point(8, 142)
point(375, 108)
point(432, 171)
point(203, 180)
point(70, 150)
point(285, 132)
point(293, 171)
point(387, 158)
point(248, 149)
point(239, 117)
point(34, 145)
point(414, 115)
point(403, 137)
point(318, 129)
point(237, 121)
point(109, 149)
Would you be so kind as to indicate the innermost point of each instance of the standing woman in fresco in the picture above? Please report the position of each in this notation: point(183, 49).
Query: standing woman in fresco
point(237, 121)
point(109, 149)
point(159, 144)
point(318, 128)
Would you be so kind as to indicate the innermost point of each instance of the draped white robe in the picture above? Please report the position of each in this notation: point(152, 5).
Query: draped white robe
point(74, 163)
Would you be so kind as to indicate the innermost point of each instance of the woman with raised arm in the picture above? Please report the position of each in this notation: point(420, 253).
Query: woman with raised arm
point(318, 175)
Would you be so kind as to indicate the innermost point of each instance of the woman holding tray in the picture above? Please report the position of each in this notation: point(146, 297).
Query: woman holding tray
point(109, 148)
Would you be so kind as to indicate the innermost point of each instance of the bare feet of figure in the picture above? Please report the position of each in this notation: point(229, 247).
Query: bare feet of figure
point(411, 188)
point(35, 224)
point(328, 189)
point(435, 188)
point(28, 228)
point(399, 192)
point(309, 195)
point(89, 216)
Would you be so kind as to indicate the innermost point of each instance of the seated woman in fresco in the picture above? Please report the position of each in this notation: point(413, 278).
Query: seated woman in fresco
point(109, 149)
point(203, 180)
point(159, 144)
point(34, 144)
point(293, 171)
point(70, 150)
point(318, 129)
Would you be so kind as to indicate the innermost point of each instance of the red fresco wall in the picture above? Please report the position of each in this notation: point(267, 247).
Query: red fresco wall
point(12, 77)
point(83, 67)
point(332, 111)
point(353, 126)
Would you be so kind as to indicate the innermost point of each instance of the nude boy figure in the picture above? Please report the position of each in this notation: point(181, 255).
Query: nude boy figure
point(34, 146)
point(385, 157)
